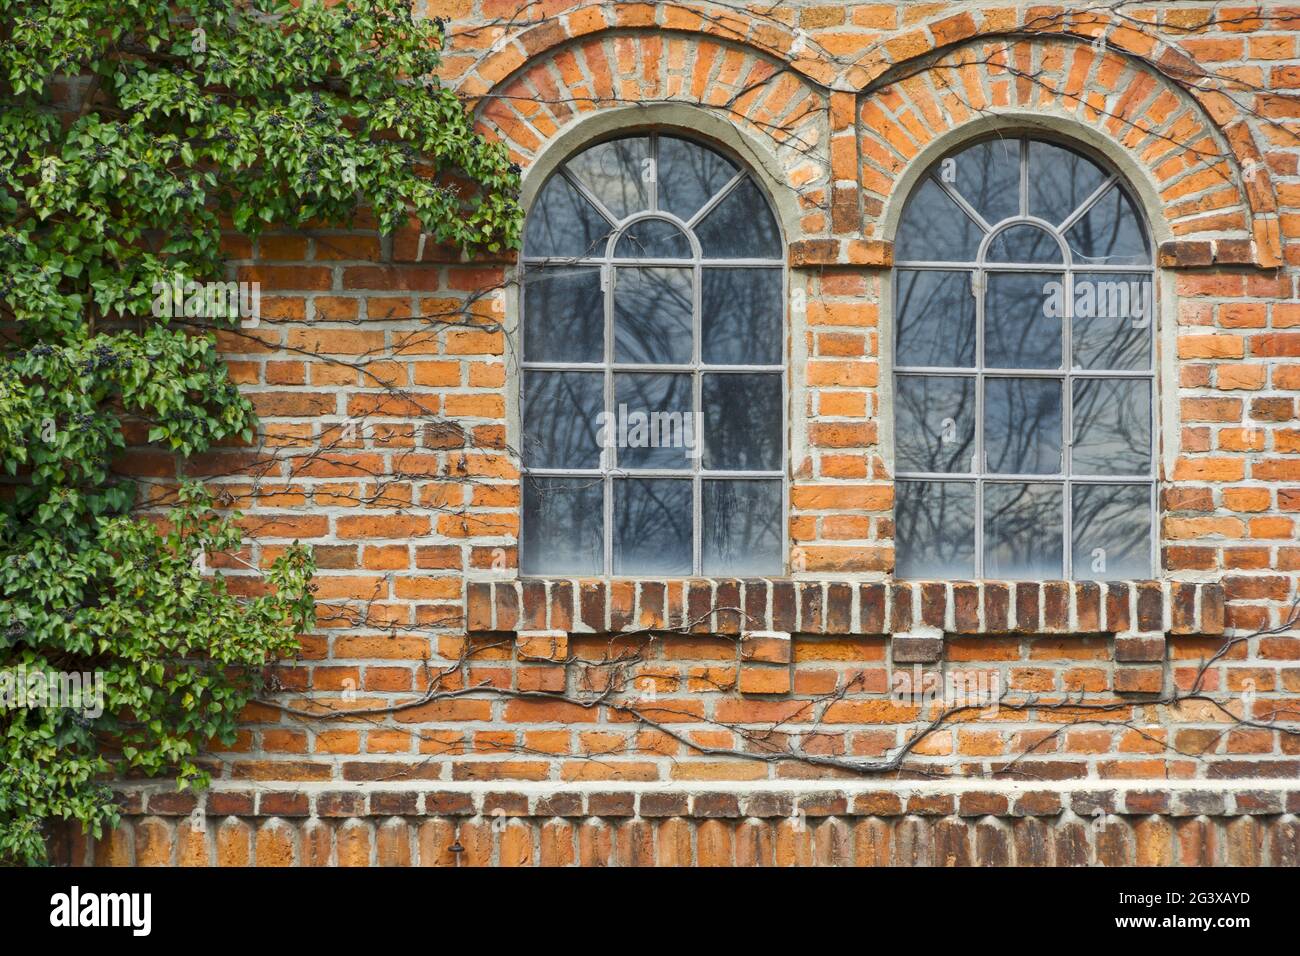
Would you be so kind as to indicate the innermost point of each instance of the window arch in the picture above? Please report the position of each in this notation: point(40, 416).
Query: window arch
point(1024, 376)
point(653, 380)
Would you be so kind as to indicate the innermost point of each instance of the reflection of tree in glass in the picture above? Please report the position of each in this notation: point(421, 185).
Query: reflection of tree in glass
point(560, 419)
point(1023, 528)
point(652, 526)
point(652, 315)
point(936, 319)
point(689, 176)
point(564, 314)
point(564, 224)
point(936, 529)
point(742, 527)
point(1115, 519)
point(742, 421)
point(1023, 426)
point(1112, 427)
point(615, 174)
point(565, 533)
point(1113, 321)
point(936, 423)
point(987, 175)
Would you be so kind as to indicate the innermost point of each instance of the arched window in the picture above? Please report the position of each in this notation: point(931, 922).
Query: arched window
point(1024, 386)
point(653, 397)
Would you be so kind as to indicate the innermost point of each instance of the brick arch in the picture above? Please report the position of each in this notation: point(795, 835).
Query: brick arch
point(549, 94)
point(793, 49)
point(1220, 198)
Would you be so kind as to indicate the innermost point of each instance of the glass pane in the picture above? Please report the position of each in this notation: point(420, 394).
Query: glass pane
point(1023, 318)
point(1024, 243)
point(1022, 426)
point(563, 223)
point(741, 226)
point(652, 526)
point(1110, 233)
point(562, 419)
point(935, 423)
point(1114, 316)
point(618, 173)
point(563, 526)
point(653, 239)
point(653, 426)
point(689, 176)
point(1059, 181)
point(564, 315)
point(936, 319)
point(987, 175)
point(742, 421)
point(1024, 531)
point(1112, 427)
point(935, 530)
point(742, 527)
point(653, 308)
point(1111, 528)
point(740, 316)
point(935, 229)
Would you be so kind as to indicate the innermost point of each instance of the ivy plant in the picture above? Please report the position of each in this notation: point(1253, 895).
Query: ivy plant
point(132, 132)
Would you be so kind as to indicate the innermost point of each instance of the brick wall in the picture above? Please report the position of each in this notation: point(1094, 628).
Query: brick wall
point(383, 370)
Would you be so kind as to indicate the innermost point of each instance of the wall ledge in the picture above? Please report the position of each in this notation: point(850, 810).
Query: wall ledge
point(733, 606)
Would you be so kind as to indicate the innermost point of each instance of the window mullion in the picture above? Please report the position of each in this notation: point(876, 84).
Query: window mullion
point(609, 453)
point(1067, 426)
point(980, 284)
point(697, 408)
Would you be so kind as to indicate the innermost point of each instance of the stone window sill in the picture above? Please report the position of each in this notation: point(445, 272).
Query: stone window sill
point(907, 609)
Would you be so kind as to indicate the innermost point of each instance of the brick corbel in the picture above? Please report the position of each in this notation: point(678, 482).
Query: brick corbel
point(836, 252)
point(1203, 253)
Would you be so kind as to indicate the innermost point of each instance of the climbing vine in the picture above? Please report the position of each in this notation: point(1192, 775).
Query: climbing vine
point(132, 133)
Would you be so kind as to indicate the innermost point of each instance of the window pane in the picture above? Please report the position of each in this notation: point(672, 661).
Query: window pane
point(562, 419)
point(934, 425)
point(1112, 427)
point(689, 176)
point(563, 526)
point(617, 173)
point(935, 529)
point(1114, 315)
point(1023, 317)
point(652, 526)
point(742, 422)
point(987, 175)
point(1023, 531)
point(935, 229)
point(653, 239)
point(1059, 181)
point(564, 315)
point(653, 308)
point(742, 527)
point(654, 427)
point(1109, 233)
point(1024, 243)
point(1111, 527)
point(936, 319)
point(1022, 426)
point(562, 223)
point(740, 316)
point(740, 226)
